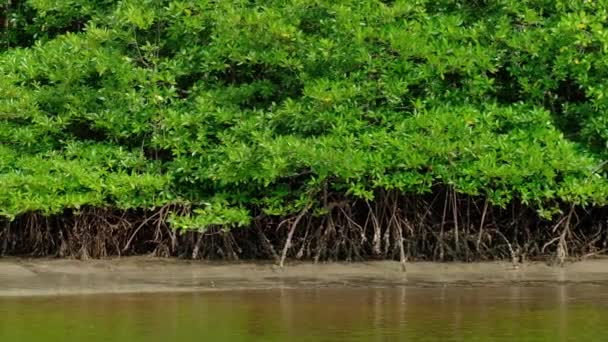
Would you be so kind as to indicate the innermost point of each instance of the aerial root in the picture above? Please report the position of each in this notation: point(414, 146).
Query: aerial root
point(290, 235)
point(438, 227)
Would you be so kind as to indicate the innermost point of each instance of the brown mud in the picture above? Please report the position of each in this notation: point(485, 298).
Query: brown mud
point(36, 277)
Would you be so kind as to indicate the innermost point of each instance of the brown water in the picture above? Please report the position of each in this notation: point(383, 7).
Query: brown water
point(455, 313)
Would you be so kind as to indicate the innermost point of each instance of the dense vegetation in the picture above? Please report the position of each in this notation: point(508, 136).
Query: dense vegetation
point(436, 129)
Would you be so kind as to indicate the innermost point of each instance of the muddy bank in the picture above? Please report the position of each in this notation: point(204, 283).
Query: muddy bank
point(25, 277)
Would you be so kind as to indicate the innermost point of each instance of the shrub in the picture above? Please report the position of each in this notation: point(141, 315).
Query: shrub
point(232, 107)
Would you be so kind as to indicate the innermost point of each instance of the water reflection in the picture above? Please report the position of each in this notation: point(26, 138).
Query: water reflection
point(542, 313)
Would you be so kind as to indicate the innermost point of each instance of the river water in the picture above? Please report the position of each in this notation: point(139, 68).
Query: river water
point(575, 312)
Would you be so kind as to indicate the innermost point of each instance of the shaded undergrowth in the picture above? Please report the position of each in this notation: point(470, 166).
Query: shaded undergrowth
point(443, 226)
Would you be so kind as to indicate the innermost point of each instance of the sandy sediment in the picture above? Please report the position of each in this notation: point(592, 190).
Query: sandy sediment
point(32, 277)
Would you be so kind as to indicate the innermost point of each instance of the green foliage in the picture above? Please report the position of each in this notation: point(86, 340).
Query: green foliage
point(216, 213)
point(140, 103)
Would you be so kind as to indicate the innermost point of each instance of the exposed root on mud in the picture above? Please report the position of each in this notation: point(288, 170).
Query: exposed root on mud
point(290, 235)
point(439, 226)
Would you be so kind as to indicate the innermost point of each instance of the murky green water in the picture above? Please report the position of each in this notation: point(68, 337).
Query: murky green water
point(530, 313)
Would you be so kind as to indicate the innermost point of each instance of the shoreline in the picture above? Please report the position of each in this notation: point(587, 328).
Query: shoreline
point(20, 277)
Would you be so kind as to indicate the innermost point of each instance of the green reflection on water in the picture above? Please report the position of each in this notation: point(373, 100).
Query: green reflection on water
point(549, 313)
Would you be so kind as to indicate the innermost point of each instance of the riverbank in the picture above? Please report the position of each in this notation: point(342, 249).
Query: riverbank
point(40, 277)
